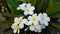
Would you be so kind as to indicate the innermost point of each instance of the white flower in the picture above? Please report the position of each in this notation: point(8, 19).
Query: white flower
point(20, 22)
point(15, 28)
point(33, 19)
point(43, 18)
point(38, 28)
point(22, 6)
point(29, 9)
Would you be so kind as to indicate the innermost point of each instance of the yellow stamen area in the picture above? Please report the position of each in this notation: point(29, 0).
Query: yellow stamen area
point(28, 10)
point(34, 19)
point(32, 24)
point(16, 27)
point(42, 18)
point(20, 21)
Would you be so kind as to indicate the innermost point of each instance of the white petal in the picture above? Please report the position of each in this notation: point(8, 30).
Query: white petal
point(26, 29)
point(38, 26)
point(31, 28)
point(41, 22)
point(14, 31)
point(29, 23)
point(23, 8)
point(18, 8)
point(39, 30)
point(43, 26)
point(34, 15)
point(21, 26)
point(46, 23)
point(25, 21)
point(12, 27)
point(21, 17)
point(28, 5)
point(35, 23)
point(25, 13)
point(15, 24)
point(31, 12)
point(40, 16)
point(30, 17)
point(44, 15)
point(16, 19)
point(24, 4)
point(35, 30)
point(47, 19)
point(32, 8)
point(18, 31)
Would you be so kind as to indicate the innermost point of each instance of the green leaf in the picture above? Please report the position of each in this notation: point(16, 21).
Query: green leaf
point(10, 15)
point(50, 2)
point(56, 14)
point(39, 5)
point(55, 25)
point(55, 7)
point(6, 22)
point(13, 4)
point(33, 2)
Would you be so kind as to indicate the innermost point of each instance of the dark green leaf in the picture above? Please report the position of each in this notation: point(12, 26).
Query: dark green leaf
point(6, 22)
point(13, 4)
point(55, 25)
point(10, 15)
point(39, 5)
point(51, 9)
point(56, 14)
point(33, 2)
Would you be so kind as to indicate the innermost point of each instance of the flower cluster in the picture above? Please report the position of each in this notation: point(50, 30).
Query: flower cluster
point(35, 22)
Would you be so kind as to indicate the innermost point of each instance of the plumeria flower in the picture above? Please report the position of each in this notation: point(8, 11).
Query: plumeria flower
point(19, 21)
point(22, 6)
point(43, 18)
point(15, 28)
point(33, 19)
point(32, 27)
point(29, 9)
point(38, 28)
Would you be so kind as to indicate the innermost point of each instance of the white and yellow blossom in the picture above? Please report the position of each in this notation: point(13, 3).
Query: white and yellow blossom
point(22, 6)
point(43, 18)
point(18, 24)
point(29, 9)
point(15, 28)
point(32, 19)
point(36, 28)
point(35, 23)
point(20, 21)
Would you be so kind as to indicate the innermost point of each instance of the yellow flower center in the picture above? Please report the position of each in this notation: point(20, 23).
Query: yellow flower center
point(42, 18)
point(16, 27)
point(28, 10)
point(20, 21)
point(34, 18)
point(32, 24)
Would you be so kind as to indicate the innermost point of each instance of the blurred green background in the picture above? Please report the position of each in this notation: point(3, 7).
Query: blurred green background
point(8, 12)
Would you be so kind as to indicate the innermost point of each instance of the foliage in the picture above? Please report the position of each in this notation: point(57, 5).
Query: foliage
point(51, 7)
